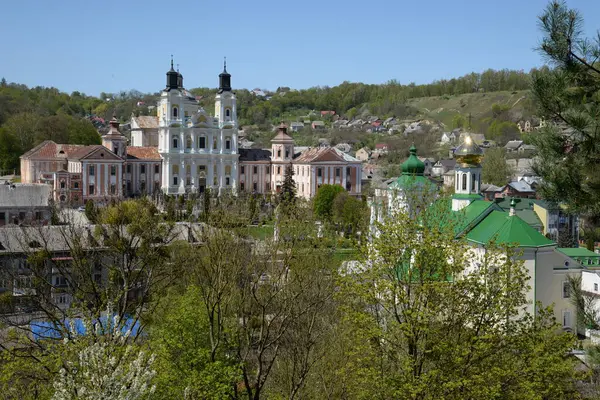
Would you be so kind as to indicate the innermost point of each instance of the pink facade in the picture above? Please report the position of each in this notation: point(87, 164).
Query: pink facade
point(263, 171)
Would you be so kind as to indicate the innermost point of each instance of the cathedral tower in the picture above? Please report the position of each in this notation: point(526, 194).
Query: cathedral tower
point(225, 103)
point(114, 140)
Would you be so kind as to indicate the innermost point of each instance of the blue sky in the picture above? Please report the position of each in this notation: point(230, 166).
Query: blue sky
point(109, 45)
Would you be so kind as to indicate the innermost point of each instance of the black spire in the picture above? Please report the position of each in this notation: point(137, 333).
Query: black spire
point(179, 78)
point(224, 79)
point(172, 77)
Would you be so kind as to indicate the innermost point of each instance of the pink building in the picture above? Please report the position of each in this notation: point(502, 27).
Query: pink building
point(78, 173)
point(263, 171)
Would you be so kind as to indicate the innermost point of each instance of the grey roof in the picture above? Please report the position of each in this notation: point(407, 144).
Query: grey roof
point(255, 155)
point(513, 144)
point(24, 195)
point(487, 187)
point(447, 163)
point(521, 186)
point(297, 124)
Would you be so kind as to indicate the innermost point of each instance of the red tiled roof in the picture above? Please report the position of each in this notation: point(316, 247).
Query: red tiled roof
point(49, 149)
point(143, 152)
point(327, 113)
point(319, 154)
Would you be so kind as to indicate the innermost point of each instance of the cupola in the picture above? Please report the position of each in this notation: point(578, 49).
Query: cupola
point(172, 77)
point(224, 79)
point(413, 166)
point(468, 153)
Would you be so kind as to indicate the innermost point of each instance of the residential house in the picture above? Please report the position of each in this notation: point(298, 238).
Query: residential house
point(554, 219)
point(442, 166)
point(513, 146)
point(429, 163)
point(527, 148)
point(327, 113)
point(363, 154)
point(318, 125)
point(389, 122)
point(381, 148)
point(520, 189)
point(296, 126)
point(448, 137)
point(490, 192)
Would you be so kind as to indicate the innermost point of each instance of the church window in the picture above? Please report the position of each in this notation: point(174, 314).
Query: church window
point(113, 189)
point(128, 168)
point(215, 180)
point(142, 169)
point(268, 170)
point(319, 172)
point(242, 186)
point(464, 181)
point(92, 170)
point(156, 168)
point(287, 152)
point(228, 144)
point(175, 169)
point(113, 170)
point(473, 182)
point(91, 190)
point(175, 142)
point(456, 178)
point(228, 170)
point(214, 143)
point(202, 142)
point(278, 152)
point(175, 112)
point(278, 170)
point(62, 184)
point(188, 142)
point(75, 185)
point(226, 181)
point(227, 113)
point(175, 180)
point(242, 170)
point(338, 172)
point(255, 170)
point(255, 186)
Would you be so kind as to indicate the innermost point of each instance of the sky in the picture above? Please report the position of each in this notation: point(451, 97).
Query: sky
point(109, 45)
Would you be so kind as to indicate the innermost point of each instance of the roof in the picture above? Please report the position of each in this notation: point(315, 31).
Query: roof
point(521, 186)
point(413, 165)
point(254, 155)
point(531, 218)
point(487, 187)
point(24, 195)
point(513, 144)
point(447, 163)
point(282, 135)
point(318, 123)
point(324, 154)
point(381, 146)
point(297, 124)
point(410, 181)
point(49, 149)
point(502, 228)
point(577, 252)
point(143, 153)
point(146, 122)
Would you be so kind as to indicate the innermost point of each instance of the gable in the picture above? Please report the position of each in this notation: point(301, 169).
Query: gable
point(99, 153)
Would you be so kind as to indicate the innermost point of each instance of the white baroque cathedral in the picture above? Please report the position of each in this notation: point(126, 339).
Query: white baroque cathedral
point(198, 151)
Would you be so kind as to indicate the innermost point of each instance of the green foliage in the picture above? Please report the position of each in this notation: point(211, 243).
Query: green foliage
point(495, 170)
point(569, 94)
point(179, 336)
point(323, 200)
point(91, 212)
point(349, 213)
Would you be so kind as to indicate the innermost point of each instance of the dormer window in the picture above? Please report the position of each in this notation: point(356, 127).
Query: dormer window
point(175, 112)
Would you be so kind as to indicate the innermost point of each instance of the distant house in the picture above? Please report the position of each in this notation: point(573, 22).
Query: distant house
point(388, 122)
point(340, 123)
point(527, 148)
point(428, 164)
point(318, 125)
point(490, 192)
point(513, 146)
point(448, 137)
point(296, 126)
point(363, 154)
point(259, 92)
point(519, 189)
point(443, 166)
point(381, 148)
point(325, 113)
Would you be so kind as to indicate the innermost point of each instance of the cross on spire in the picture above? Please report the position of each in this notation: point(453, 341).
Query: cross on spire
point(225, 63)
point(171, 61)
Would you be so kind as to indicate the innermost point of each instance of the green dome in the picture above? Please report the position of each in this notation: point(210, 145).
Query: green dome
point(413, 166)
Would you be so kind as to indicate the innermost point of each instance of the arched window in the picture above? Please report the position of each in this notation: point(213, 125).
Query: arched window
point(175, 112)
point(175, 142)
point(227, 112)
point(473, 182)
point(464, 181)
point(188, 142)
point(457, 179)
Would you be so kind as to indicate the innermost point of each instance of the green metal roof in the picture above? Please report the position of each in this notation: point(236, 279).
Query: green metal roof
point(413, 166)
point(500, 227)
point(473, 196)
point(520, 204)
point(577, 252)
point(410, 181)
point(531, 218)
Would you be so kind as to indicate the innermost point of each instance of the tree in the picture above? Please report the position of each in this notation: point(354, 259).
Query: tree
point(90, 211)
point(565, 237)
point(349, 213)
point(440, 330)
point(569, 95)
point(495, 170)
point(323, 201)
point(288, 188)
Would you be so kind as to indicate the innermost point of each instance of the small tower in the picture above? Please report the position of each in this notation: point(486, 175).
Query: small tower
point(114, 140)
point(282, 146)
point(225, 102)
point(467, 174)
point(172, 78)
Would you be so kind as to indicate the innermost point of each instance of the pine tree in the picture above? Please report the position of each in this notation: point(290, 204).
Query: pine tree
point(288, 189)
point(569, 97)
